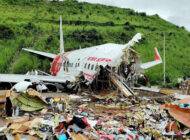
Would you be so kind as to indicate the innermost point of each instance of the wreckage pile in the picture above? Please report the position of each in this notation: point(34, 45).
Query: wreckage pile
point(94, 117)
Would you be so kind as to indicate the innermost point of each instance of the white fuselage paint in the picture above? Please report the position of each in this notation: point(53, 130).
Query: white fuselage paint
point(88, 59)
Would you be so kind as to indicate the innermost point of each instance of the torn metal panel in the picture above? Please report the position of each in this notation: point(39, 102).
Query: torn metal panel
point(180, 114)
point(21, 86)
point(121, 87)
point(29, 102)
point(34, 93)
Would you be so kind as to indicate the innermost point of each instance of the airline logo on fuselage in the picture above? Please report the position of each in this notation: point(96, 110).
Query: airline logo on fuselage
point(95, 59)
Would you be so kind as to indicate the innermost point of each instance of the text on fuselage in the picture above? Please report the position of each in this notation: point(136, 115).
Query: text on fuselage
point(98, 59)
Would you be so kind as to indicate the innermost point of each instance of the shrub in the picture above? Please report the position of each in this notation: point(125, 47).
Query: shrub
point(131, 12)
point(118, 18)
point(129, 28)
point(182, 27)
point(6, 32)
point(127, 23)
point(87, 36)
point(142, 14)
point(78, 22)
point(110, 23)
point(30, 26)
point(112, 11)
point(153, 29)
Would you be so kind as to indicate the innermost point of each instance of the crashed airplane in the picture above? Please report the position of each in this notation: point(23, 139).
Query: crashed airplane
point(92, 67)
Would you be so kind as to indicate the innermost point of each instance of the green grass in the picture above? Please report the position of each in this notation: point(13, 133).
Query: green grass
point(34, 24)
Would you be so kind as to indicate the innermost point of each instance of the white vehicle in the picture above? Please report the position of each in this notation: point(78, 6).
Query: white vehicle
point(87, 62)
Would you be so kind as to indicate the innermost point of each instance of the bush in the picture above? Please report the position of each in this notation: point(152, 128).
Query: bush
point(24, 2)
point(142, 14)
point(129, 28)
point(30, 26)
point(6, 32)
point(182, 27)
point(131, 13)
point(110, 23)
point(87, 36)
point(78, 22)
point(112, 11)
point(127, 23)
point(118, 18)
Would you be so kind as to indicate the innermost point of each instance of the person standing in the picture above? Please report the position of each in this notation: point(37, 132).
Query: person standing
point(184, 85)
point(51, 102)
point(188, 87)
point(59, 107)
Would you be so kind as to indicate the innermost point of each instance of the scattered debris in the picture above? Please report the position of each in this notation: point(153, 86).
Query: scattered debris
point(93, 116)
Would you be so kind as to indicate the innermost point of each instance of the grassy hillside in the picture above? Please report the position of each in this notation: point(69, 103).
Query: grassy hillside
point(35, 24)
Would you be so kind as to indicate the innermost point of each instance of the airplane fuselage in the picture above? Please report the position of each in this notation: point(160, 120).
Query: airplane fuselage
point(87, 60)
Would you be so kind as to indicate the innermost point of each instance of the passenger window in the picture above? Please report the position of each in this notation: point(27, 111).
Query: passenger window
point(75, 65)
point(64, 66)
point(88, 66)
point(78, 64)
point(92, 67)
point(85, 65)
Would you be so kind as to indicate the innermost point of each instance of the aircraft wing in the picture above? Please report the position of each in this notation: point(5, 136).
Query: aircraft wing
point(49, 55)
point(152, 63)
point(15, 78)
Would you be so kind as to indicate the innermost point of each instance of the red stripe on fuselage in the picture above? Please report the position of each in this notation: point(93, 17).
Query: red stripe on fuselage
point(89, 77)
point(86, 74)
point(56, 65)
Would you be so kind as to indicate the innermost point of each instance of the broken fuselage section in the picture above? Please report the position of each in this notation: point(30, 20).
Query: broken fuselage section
point(94, 67)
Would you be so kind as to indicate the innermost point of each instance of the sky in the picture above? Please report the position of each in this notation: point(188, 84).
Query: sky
point(175, 11)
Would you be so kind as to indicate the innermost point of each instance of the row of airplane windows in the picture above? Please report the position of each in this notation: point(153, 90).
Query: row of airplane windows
point(86, 66)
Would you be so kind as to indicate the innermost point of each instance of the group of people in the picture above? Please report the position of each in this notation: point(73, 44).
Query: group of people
point(185, 86)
